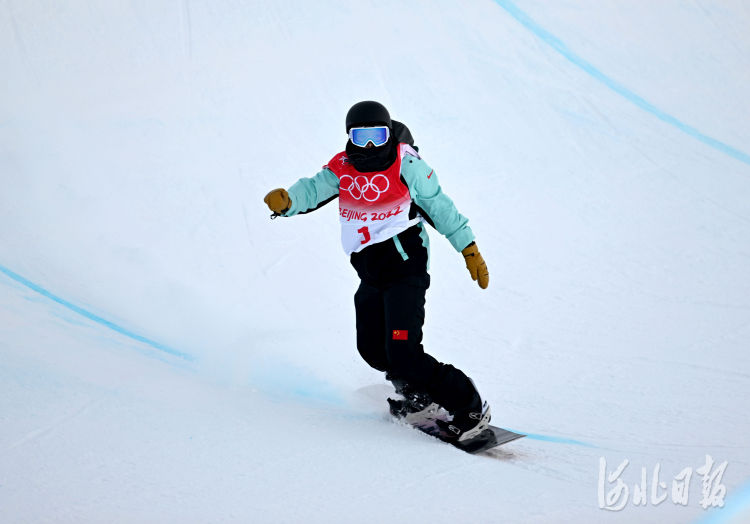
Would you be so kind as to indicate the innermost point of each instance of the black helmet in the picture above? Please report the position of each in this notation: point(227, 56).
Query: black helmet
point(367, 113)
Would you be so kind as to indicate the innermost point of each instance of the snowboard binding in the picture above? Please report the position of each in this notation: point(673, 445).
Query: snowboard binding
point(415, 405)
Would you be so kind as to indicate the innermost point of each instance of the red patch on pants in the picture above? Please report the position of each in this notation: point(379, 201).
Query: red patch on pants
point(400, 334)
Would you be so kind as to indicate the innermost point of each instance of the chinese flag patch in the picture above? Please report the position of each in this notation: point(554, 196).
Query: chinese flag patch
point(400, 334)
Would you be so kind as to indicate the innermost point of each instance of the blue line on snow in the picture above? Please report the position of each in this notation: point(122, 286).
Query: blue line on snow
point(559, 46)
point(556, 440)
point(737, 505)
point(93, 317)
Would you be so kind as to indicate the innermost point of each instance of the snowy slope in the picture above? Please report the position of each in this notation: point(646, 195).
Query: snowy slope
point(170, 354)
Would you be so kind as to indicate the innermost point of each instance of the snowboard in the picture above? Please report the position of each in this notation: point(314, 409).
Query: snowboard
point(491, 437)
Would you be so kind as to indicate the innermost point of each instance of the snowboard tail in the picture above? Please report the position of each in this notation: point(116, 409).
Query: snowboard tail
point(490, 438)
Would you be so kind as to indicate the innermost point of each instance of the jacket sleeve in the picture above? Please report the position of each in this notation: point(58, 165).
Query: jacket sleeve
point(441, 211)
point(308, 194)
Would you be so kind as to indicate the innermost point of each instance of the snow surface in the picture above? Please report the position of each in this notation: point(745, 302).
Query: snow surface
point(169, 354)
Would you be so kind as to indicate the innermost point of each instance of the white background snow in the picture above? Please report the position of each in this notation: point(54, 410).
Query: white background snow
point(137, 140)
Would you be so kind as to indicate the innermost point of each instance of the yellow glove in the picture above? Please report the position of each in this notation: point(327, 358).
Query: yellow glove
point(278, 201)
point(476, 265)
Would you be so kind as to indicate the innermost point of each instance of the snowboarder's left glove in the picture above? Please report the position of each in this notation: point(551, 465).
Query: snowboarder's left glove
point(476, 265)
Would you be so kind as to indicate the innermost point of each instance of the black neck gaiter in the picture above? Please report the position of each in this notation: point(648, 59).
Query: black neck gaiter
point(367, 160)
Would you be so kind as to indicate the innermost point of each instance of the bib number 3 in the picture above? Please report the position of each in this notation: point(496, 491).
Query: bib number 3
point(365, 234)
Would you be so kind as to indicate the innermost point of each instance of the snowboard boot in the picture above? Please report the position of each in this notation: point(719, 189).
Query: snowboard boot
point(467, 424)
point(415, 405)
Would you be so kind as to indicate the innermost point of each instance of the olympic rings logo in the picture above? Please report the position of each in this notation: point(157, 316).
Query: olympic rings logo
point(360, 187)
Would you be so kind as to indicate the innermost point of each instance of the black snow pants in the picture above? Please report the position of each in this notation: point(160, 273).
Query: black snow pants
point(390, 311)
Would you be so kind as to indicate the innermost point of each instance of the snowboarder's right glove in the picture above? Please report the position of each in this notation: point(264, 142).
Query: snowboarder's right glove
point(278, 201)
point(476, 265)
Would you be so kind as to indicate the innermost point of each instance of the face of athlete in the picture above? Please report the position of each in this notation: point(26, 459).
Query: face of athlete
point(370, 145)
point(371, 157)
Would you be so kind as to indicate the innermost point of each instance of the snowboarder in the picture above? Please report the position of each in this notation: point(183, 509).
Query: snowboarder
point(386, 193)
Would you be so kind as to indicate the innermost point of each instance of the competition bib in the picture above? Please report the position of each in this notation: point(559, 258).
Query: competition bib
point(374, 206)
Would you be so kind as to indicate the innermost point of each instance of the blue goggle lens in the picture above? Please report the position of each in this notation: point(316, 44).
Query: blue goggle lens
point(360, 136)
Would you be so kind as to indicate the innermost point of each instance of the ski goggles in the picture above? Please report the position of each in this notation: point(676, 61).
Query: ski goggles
point(361, 136)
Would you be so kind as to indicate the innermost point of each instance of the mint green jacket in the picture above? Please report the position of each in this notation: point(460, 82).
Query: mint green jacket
point(435, 206)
